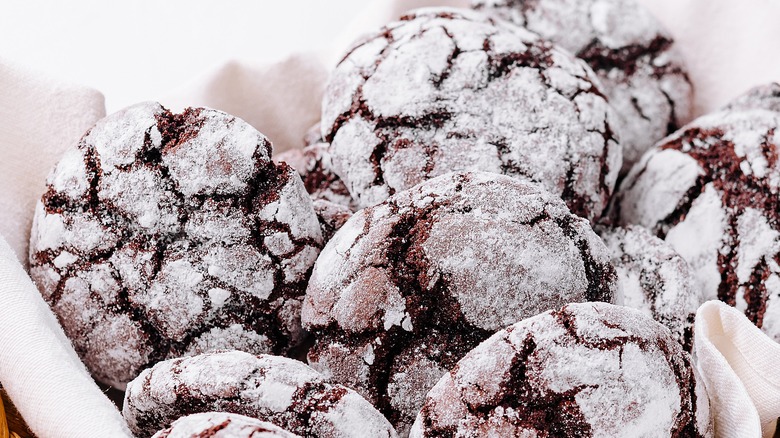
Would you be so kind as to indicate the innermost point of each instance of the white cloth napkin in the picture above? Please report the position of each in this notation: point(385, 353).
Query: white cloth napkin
point(739, 365)
point(39, 368)
point(39, 119)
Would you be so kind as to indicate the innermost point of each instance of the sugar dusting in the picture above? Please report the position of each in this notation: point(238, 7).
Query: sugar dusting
point(640, 69)
point(197, 237)
point(222, 425)
point(589, 369)
point(655, 279)
point(270, 388)
point(449, 90)
point(711, 191)
point(411, 284)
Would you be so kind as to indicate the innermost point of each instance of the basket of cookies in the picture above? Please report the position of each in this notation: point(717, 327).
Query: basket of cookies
point(488, 218)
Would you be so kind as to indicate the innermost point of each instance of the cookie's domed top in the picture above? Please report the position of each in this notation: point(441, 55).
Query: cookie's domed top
point(447, 90)
point(167, 234)
point(406, 287)
point(640, 70)
point(222, 425)
point(589, 369)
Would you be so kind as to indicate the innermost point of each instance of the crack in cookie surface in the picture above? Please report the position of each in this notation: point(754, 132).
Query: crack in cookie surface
point(167, 234)
point(537, 378)
point(450, 90)
point(633, 55)
point(405, 288)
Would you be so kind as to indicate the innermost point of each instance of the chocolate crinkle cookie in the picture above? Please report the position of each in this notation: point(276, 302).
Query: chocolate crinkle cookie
point(331, 215)
point(586, 370)
point(314, 165)
point(278, 390)
point(165, 234)
point(654, 279)
point(332, 201)
point(765, 96)
point(407, 287)
point(222, 425)
point(446, 90)
point(640, 69)
point(711, 191)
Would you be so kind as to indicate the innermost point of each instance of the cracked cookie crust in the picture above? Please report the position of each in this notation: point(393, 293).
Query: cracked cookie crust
point(167, 234)
point(641, 71)
point(655, 279)
point(447, 90)
point(278, 390)
point(711, 191)
point(589, 369)
point(222, 425)
point(407, 287)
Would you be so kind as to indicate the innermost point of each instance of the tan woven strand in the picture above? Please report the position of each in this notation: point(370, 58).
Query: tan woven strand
point(4, 433)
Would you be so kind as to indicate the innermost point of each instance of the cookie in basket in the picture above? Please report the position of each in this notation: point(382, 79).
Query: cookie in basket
point(222, 425)
point(315, 166)
point(765, 96)
point(278, 390)
point(711, 191)
point(655, 279)
point(332, 201)
point(446, 90)
point(589, 369)
point(640, 69)
point(407, 287)
point(164, 234)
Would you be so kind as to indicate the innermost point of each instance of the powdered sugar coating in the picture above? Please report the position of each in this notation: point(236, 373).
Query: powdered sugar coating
point(282, 391)
point(406, 287)
point(711, 191)
point(222, 425)
point(332, 216)
point(448, 90)
point(654, 279)
point(332, 201)
point(640, 69)
point(765, 96)
point(589, 369)
point(313, 163)
point(164, 234)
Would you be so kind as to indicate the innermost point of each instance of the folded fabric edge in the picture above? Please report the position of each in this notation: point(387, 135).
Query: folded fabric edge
point(715, 356)
point(71, 407)
point(42, 116)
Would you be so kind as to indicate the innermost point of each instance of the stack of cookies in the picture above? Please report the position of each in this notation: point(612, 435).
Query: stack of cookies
point(501, 226)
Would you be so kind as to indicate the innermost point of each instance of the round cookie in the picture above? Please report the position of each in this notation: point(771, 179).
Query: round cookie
point(313, 164)
point(167, 234)
point(586, 370)
point(711, 191)
point(332, 201)
point(332, 216)
point(222, 425)
point(765, 96)
point(278, 390)
point(405, 288)
point(446, 90)
point(654, 279)
point(640, 69)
